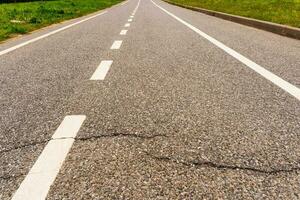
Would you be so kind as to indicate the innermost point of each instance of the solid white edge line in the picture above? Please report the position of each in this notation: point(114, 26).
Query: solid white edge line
point(123, 32)
point(135, 9)
point(38, 181)
point(116, 45)
point(48, 34)
point(286, 86)
point(102, 70)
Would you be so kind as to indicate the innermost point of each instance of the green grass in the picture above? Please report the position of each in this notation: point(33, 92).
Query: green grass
point(34, 15)
point(279, 11)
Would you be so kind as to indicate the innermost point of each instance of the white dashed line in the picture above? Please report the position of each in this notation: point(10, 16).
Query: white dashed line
point(123, 32)
point(37, 183)
point(131, 16)
point(127, 25)
point(286, 86)
point(130, 20)
point(102, 70)
point(48, 34)
point(116, 45)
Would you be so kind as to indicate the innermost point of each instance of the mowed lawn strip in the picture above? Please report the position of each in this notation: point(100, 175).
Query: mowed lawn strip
point(21, 18)
point(285, 12)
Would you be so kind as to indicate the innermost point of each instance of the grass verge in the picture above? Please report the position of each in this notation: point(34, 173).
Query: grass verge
point(285, 12)
point(21, 18)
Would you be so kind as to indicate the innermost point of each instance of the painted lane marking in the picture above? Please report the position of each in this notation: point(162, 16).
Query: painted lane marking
point(102, 70)
point(116, 45)
point(286, 86)
point(123, 32)
point(37, 183)
point(127, 25)
point(135, 9)
point(130, 20)
point(48, 34)
point(131, 16)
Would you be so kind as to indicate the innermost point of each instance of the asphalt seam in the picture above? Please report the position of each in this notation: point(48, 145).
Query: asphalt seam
point(220, 166)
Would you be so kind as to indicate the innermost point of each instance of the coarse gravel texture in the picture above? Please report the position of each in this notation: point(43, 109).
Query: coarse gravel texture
point(277, 54)
point(36, 83)
point(119, 168)
point(179, 105)
point(175, 117)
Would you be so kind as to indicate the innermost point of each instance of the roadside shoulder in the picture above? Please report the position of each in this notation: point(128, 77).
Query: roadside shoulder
point(283, 30)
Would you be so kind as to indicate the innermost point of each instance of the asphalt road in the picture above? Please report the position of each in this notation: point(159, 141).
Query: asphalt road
point(174, 116)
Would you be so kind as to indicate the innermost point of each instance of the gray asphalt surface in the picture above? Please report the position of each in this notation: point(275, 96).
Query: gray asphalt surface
point(175, 118)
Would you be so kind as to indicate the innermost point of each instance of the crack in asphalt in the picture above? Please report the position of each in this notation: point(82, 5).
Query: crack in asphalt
point(24, 146)
point(93, 137)
point(15, 176)
point(220, 166)
point(120, 135)
point(82, 139)
point(209, 164)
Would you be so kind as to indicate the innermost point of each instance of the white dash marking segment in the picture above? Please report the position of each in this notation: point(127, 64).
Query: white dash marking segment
point(130, 20)
point(286, 86)
point(102, 70)
point(131, 16)
point(37, 183)
point(127, 25)
point(123, 32)
point(116, 45)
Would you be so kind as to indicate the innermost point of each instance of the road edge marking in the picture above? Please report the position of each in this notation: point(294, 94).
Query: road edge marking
point(124, 3)
point(48, 34)
point(286, 86)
